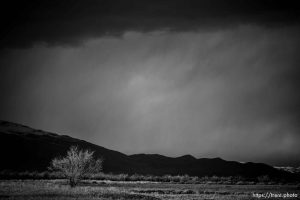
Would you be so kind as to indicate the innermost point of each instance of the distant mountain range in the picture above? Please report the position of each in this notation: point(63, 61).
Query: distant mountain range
point(26, 149)
point(293, 170)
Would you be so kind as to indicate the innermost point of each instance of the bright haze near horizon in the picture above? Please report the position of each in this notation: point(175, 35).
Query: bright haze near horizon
point(206, 78)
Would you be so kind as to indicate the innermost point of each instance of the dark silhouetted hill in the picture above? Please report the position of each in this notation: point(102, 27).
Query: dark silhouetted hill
point(26, 149)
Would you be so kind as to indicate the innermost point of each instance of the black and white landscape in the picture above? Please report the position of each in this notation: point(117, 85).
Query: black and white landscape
point(183, 93)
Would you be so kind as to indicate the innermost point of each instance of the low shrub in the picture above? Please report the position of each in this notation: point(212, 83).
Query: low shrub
point(177, 179)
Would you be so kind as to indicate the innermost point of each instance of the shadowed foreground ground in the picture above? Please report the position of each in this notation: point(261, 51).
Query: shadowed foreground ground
point(108, 190)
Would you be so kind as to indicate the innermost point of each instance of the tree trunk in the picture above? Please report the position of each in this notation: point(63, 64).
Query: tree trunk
point(72, 182)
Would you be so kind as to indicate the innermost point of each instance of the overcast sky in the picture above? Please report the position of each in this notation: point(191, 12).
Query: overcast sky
point(206, 78)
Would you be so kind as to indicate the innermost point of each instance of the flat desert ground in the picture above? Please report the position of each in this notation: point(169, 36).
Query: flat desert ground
point(114, 190)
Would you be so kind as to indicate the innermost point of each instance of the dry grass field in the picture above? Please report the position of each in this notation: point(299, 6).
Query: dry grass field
point(114, 190)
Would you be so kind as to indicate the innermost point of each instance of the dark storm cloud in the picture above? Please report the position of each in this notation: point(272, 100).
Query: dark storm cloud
point(71, 22)
point(229, 93)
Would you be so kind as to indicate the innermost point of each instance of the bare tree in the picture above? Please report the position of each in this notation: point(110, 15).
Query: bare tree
point(76, 164)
